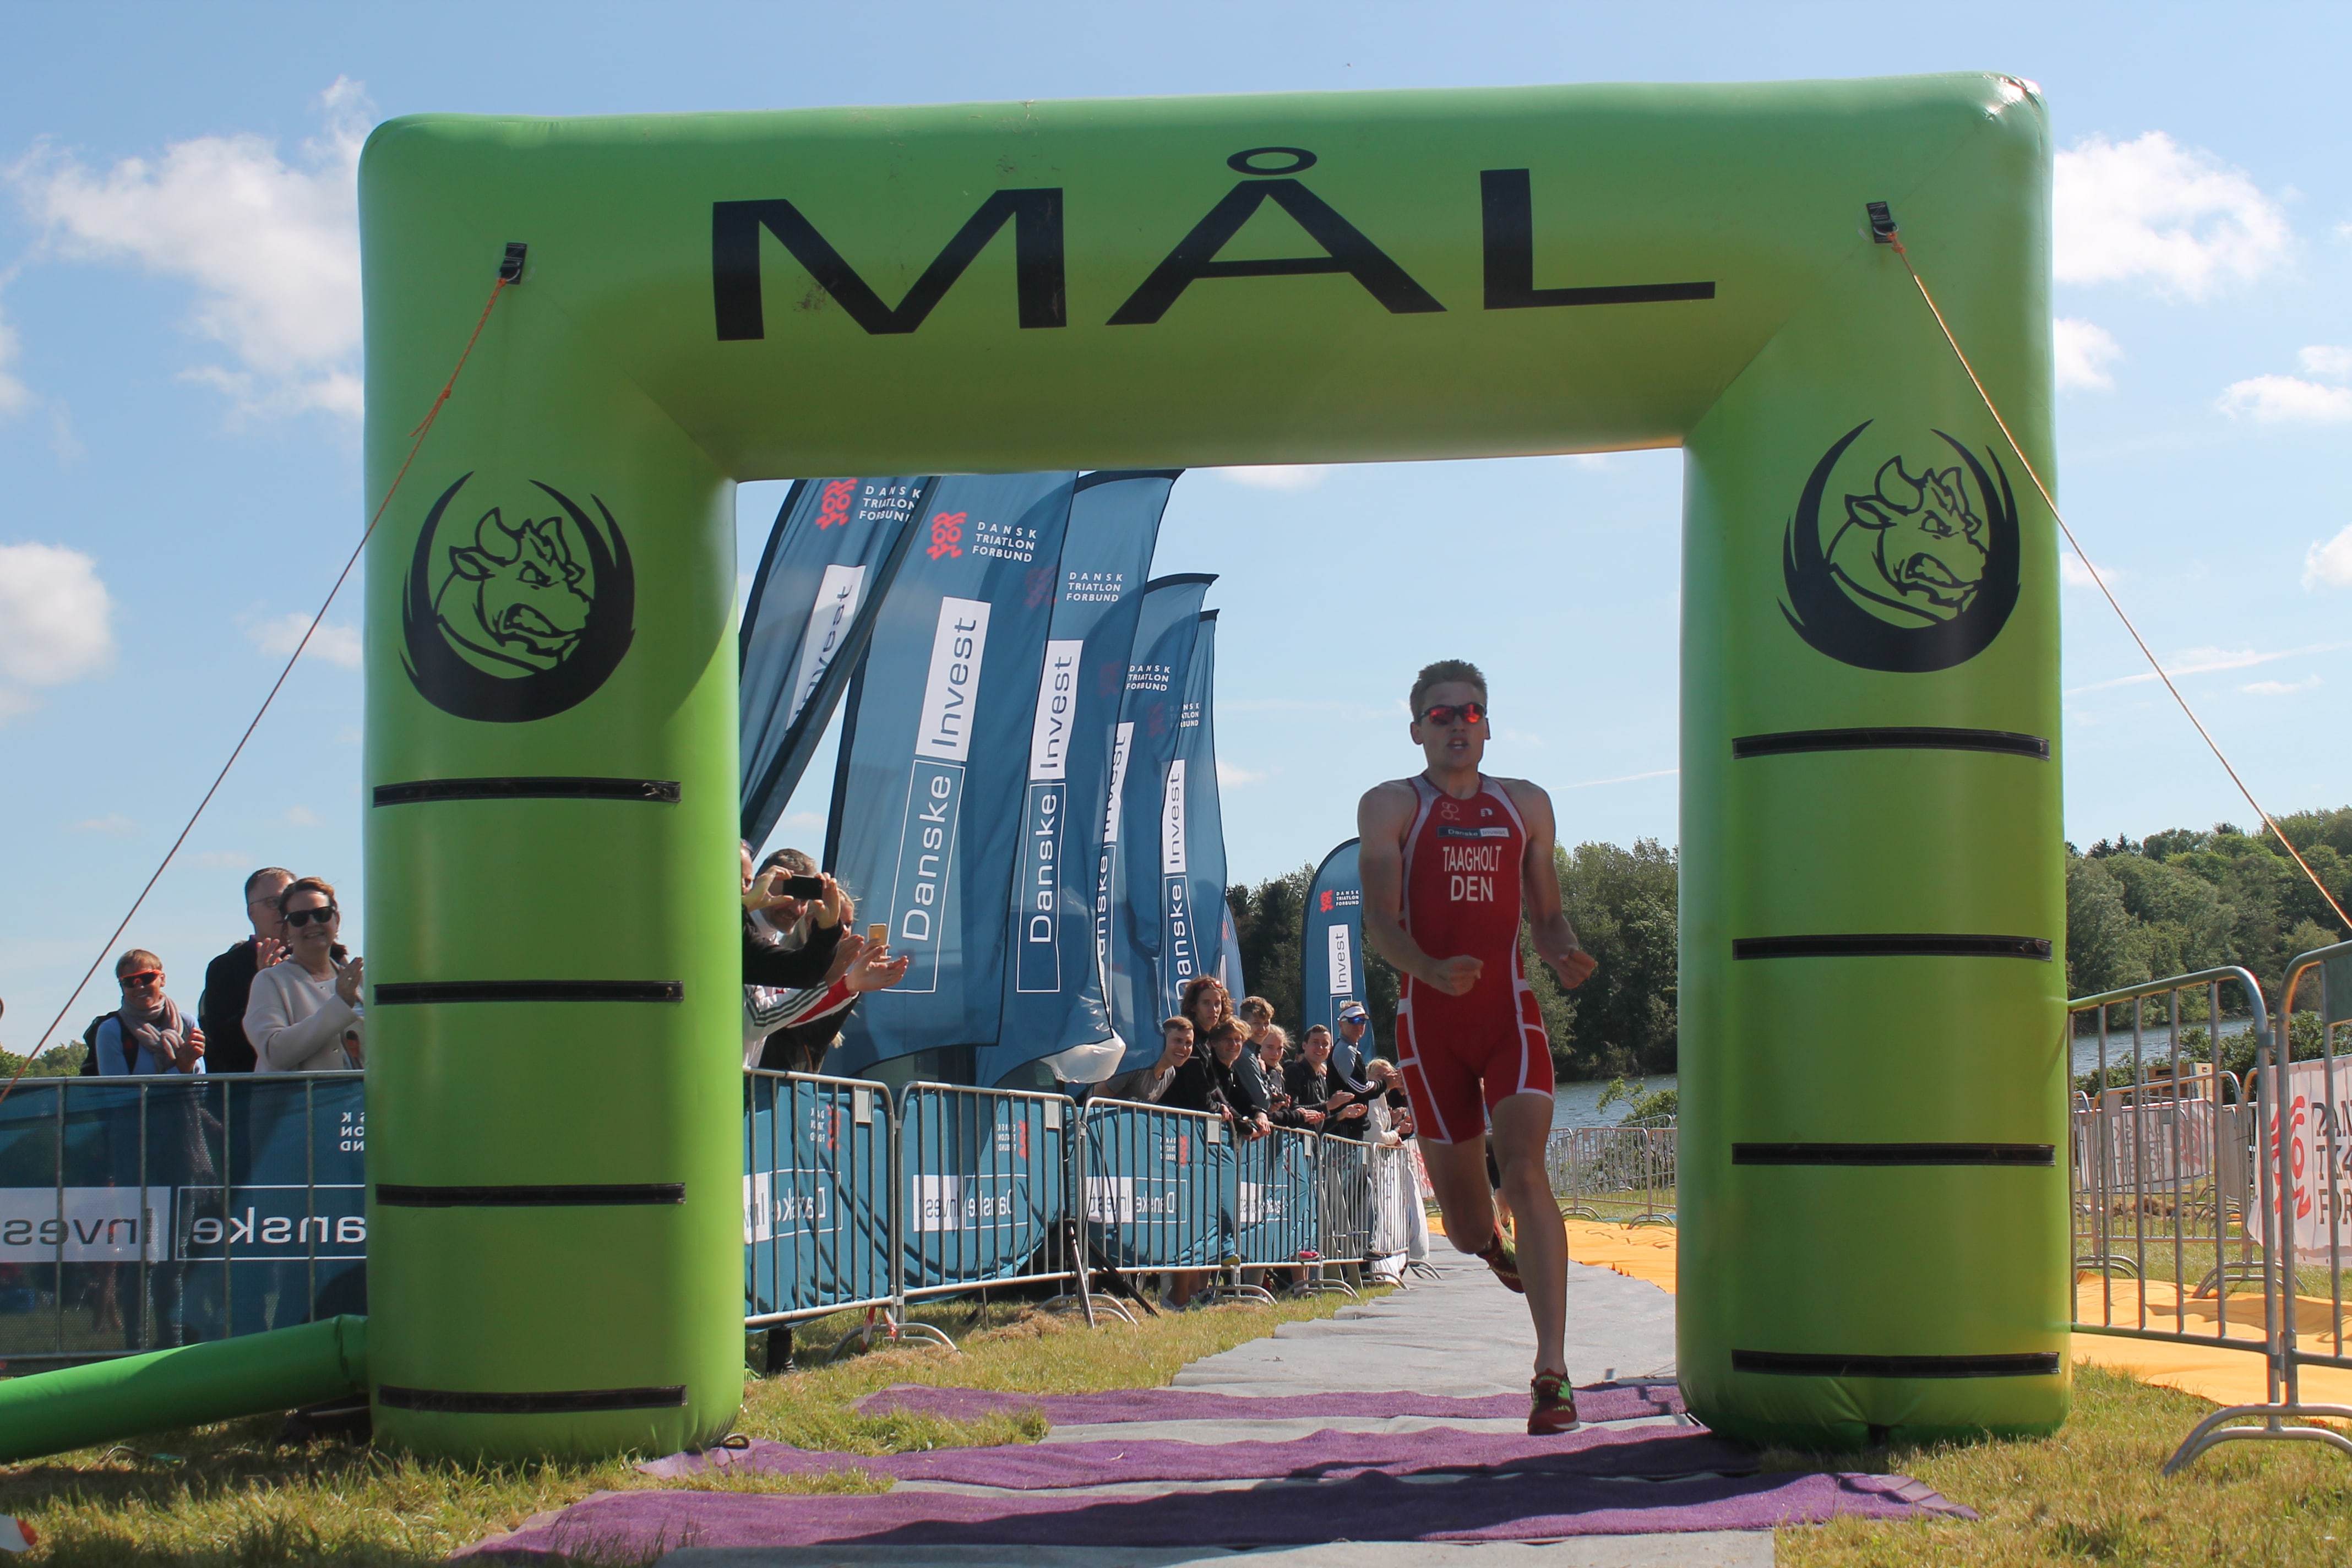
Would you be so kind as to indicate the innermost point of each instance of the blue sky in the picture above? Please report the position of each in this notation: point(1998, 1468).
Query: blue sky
point(178, 407)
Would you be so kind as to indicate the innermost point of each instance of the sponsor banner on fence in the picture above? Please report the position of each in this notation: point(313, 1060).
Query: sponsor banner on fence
point(1135, 850)
point(986, 1177)
point(1055, 1005)
point(816, 1196)
point(835, 548)
point(2317, 1128)
point(137, 1213)
point(1158, 1189)
point(927, 799)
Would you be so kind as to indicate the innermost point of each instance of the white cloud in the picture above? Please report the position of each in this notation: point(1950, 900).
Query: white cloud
point(2084, 352)
point(2075, 573)
point(300, 816)
point(272, 247)
point(337, 642)
point(56, 621)
point(2205, 661)
point(2287, 400)
point(2330, 360)
point(114, 824)
point(1231, 776)
point(2329, 564)
point(15, 396)
point(1277, 476)
point(2282, 688)
point(2176, 218)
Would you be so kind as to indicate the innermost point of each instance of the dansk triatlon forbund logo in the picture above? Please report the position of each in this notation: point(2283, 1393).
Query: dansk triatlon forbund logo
point(525, 620)
point(1920, 574)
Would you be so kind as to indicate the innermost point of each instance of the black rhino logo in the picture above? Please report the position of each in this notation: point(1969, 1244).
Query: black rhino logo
point(1921, 573)
point(525, 621)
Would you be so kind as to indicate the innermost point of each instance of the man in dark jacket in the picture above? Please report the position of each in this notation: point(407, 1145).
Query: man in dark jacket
point(228, 979)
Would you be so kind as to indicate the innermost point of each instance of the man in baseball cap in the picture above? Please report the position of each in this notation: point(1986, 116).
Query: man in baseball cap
point(1352, 1051)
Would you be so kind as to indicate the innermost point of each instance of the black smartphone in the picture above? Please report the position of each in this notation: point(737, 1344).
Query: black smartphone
point(802, 887)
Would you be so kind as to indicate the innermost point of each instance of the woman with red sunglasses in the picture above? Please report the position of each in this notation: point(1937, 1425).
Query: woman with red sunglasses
point(148, 1033)
point(305, 1013)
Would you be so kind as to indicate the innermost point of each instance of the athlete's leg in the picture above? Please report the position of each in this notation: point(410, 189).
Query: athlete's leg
point(1522, 1128)
point(1458, 1173)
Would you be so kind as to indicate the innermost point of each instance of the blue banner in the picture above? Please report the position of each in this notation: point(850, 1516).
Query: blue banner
point(1128, 884)
point(927, 795)
point(1193, 916)
point(1053, 997)
point(1331, 948)
point(822, 580)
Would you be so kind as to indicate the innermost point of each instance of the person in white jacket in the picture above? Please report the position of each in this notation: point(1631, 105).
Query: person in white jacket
point(305, 1012)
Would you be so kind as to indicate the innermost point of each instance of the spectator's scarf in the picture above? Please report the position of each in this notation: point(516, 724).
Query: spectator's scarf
point(159, 1031)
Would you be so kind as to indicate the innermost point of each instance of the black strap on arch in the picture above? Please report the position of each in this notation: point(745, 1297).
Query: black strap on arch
point(1885, 1154)
point(551, 1401)
point(1891, 738)
point(2025, 1363)
point(1892, 944)
point(417, 792)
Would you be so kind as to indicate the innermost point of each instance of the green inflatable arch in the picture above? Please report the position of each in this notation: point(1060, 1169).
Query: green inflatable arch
point(1873, 1225)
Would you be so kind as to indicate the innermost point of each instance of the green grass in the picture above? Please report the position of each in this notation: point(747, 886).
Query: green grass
point(227, 1497)
point(2092, 1494)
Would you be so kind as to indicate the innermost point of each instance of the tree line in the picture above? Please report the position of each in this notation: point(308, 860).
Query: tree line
point(2171, 903)
point(2183, 900)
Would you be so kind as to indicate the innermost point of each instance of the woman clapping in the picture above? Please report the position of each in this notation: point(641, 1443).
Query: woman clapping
point(306, 1013)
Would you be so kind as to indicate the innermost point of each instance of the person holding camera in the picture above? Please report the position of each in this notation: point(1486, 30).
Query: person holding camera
point(307, 1013)
point(789, 1028)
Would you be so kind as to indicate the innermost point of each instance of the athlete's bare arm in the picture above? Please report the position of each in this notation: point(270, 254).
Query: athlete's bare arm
point(1382, 819)
point(1548, 928)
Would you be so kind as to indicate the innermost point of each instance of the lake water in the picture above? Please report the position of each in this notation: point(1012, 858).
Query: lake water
point(1578, 1104)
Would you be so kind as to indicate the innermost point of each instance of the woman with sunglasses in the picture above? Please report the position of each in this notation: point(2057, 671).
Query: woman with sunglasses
point(304, 1015)
point(148, 1033)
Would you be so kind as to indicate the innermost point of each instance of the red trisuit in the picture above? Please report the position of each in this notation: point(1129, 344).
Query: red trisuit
point(1461, 865)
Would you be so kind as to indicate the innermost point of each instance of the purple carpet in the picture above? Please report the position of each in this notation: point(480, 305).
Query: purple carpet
point(632, 1526)
point(1599, 1402)
point(1641, 1451)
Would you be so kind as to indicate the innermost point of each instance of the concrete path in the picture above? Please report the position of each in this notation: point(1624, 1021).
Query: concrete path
point(1458, 1334)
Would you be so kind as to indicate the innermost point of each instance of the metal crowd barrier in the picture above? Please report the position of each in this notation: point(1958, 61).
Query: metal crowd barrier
point(985, 1176)
point(820, 1198)
point(2300, 1214)
point(1170, 1190)
point(1629, 1168)
point(141, 1212)
point(2162, 1174)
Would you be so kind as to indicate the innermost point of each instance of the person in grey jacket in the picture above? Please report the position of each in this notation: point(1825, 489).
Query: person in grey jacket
point(305, 1013)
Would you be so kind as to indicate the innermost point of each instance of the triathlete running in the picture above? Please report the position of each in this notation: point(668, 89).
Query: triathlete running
point(1450, 859)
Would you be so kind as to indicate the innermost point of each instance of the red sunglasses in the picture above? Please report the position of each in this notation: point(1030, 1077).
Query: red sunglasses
point(1445, 713)
point(140, 976)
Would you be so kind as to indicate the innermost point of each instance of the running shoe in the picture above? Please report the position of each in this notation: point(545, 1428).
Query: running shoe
point(1554, 1410)
point(1498, 1256)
